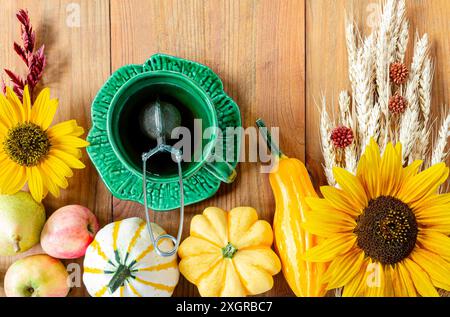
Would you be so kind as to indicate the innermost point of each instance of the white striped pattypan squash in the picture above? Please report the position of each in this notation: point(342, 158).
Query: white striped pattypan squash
point(229, 253)
point(122, 262)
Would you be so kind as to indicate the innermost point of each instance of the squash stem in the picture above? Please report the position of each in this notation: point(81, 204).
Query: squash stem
point(229, 250)
point(268, 138)
point(119, 278)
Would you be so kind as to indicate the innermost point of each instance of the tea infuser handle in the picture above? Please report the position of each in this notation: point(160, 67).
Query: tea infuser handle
point(221, 169)
point(155, 241)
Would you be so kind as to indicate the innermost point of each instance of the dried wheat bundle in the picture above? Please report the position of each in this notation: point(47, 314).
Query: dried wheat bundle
point(389, 101)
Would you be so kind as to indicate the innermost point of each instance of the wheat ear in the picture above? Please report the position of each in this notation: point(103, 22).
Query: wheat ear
point(383, 56)
point(439, 153)
point(328, 152)
point(409, 123)
point(425, 85)
point(364, 89)
point(351, 156)
point(350, 37)
point(344, 109)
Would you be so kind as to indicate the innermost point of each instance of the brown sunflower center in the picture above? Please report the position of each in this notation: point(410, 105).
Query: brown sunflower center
point(386, 230)
point(26, 144)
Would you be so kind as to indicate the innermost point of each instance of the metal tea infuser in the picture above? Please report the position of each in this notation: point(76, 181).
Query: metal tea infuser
point(157, 121)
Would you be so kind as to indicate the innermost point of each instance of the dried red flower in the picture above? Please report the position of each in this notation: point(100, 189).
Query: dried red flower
point(398, 73)
point(35, 61)
point(397, 104)
point(342, 136)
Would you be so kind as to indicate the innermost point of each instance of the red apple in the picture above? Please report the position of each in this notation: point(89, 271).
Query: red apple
point(68, 232)
point(37, 276)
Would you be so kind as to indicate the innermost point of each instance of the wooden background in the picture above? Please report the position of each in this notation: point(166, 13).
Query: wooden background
point(275, 57)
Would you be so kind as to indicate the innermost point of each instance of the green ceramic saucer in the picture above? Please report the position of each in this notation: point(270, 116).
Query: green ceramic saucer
point(125, 183)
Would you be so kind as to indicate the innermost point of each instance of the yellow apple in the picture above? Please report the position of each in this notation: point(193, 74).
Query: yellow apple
point(37, 276)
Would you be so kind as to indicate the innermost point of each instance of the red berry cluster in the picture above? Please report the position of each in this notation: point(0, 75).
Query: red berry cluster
point(342, 137)
point(397, 104)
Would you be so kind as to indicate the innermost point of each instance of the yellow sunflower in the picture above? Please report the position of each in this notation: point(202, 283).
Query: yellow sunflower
point(386, 230)
point(33, 151)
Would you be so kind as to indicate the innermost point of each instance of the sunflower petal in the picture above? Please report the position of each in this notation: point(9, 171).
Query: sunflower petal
point(436, 242)
point(328, 249)
point(59, 166)
point(411, 170)
point(71, 161)
point(7, 114)
point(352, 186)
point(340, 200)
point(49, 182)
point(388, 281)
point(405, 280)
point(79, 131)
point(35, 183)
point(71, 141)
point(26, 104)
point(424, 183)
point(437, 200)
point(55, 175)
point(39, 106)
point(420, 279)
point(16, 180)
point(355, 287)
point(437, 268)
point(435, 218)
point(343, 269)
point(8, 168)
point(48, 114)
point(390, 171)
point(397, 284)
point(326, 224)
point(69, 127)
point(372, 153)
point(16, 104)
point(368, 169)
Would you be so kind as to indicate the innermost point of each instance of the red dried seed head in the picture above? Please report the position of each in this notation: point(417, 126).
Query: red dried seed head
point(398, 72)
point(397, 104)
point(342, 137)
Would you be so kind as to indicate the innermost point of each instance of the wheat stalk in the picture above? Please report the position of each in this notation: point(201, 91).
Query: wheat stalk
point(402, 42)
point(410, 124)
point(350, 37)
point(344, 109)
point(328, 152)
point(439, 153)
point(351, 158)
point(383, 56)
point(373, 129)
point(424, 93)
point(409, 130)
point(401, 33)
point(420, 54)
point(364, 89)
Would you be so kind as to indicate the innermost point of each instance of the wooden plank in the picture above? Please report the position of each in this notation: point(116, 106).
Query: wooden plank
point(78, 64)
point(257, 48)
point(326, 56)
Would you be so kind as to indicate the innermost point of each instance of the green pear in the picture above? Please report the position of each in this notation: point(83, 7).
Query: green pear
point(21, 223)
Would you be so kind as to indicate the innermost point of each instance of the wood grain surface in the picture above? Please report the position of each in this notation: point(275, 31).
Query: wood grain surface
point(275, 58)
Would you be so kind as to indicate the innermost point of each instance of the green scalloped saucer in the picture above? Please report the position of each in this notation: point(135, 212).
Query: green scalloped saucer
point(126, 185)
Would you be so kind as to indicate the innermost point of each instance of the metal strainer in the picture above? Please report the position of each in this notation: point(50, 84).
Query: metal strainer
point(157, 120)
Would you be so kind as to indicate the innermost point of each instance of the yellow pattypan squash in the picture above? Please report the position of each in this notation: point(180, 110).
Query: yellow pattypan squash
point(229, 253)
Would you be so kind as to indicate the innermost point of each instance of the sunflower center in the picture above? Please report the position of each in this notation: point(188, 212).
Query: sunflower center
point(26, 144)
point(386, 230)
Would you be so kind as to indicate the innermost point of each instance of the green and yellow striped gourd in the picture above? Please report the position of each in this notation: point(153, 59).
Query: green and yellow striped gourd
point(122, 262)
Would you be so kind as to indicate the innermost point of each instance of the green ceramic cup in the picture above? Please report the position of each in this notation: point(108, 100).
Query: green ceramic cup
point(192, 102)
point(116, 152)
